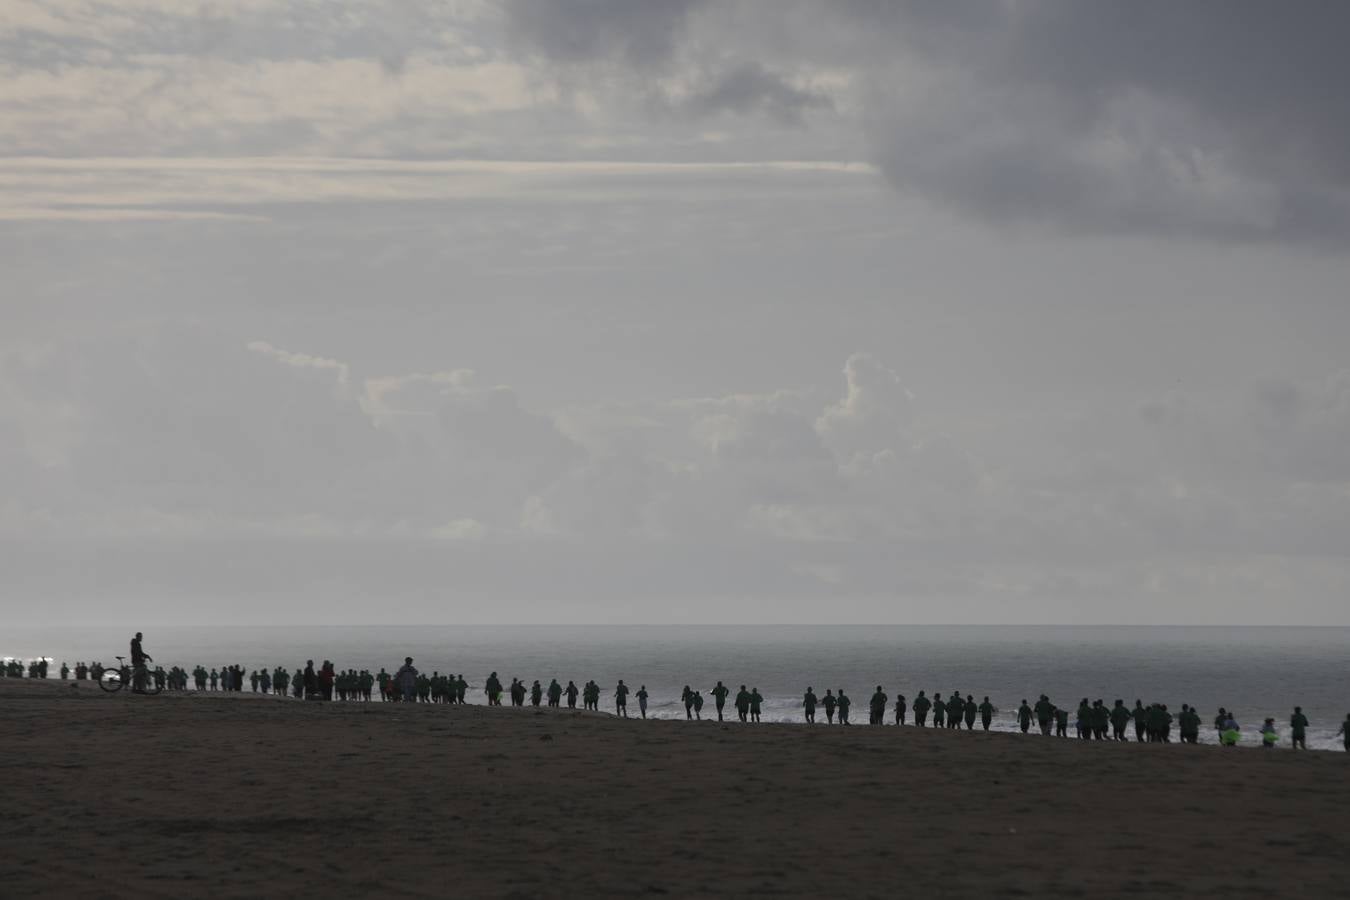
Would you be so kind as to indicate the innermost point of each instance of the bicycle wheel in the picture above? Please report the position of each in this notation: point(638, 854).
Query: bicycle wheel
point(111, 681)
point(151, 686)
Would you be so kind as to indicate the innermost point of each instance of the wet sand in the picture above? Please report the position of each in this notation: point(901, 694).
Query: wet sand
point(242, 796)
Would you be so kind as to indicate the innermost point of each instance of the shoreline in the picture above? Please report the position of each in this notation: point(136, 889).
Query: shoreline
point(254, 798)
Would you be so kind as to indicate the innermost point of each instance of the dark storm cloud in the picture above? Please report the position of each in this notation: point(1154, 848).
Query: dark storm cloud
point(1220, 119)
point(1224, 118)
point(750, 88)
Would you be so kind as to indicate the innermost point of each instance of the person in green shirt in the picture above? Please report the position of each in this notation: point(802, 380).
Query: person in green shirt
point(1120, 719)
point(1269, 736)
point(1298, 724)
point(844, 704)
point(719, 695)
point(921, 706)
point(1189, 722)
point(809, 702)
point(876, 707)
point(494, 690)
point(986, 713)
point(1045, 711)
point(642, 700)
point(1101, 720)
point(1024, 716)
point(743, 704)
point(955, 708)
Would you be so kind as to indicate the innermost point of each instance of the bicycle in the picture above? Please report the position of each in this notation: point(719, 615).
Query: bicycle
point(114, 679)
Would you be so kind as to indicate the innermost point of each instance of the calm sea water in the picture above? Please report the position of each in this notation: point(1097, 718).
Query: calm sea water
point(1258, 672)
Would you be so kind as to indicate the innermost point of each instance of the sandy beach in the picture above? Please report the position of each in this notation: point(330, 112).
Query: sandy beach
point(193, 796)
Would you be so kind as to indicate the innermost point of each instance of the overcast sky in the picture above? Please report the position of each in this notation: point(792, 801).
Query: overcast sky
point(675, 311)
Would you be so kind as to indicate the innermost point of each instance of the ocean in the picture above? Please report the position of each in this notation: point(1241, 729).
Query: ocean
point(1257, 672)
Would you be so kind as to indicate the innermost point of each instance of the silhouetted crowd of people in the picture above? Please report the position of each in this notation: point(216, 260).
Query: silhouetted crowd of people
point(1092, 720)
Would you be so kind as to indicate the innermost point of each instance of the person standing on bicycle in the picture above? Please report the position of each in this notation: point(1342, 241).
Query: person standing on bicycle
point(138, 660)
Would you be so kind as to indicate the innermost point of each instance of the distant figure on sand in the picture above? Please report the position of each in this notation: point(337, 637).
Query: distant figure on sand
point(536, 693)
point(809, 703)
point(921, 706)
point(876, 707)
point(756, 702)
point(571, 693)
point(1269, 736)
point(1298, 725)
point(407, 681)
point(621, 699)
point(1344, 733)
point(687, 698)
point(642, 700)
point(554, 693)
point(899, 709)
point(844, 704)
point(719, 694)
point(986, 713)
point(743, 704)
point(698, 706)
point(1024, 716)
point(830, 703)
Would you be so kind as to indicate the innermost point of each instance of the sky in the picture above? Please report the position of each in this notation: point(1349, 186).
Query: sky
point(546, 311)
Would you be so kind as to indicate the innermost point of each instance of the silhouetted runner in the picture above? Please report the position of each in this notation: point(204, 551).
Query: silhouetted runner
point(719, 695)
point(621, 699)
point(844, 704)
point(986, 713)
point(899, 709)
point(921, 706)
point(743, 704)
point(642, 700)
point(809, 704)
point(876, 707)
point(830, 702)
